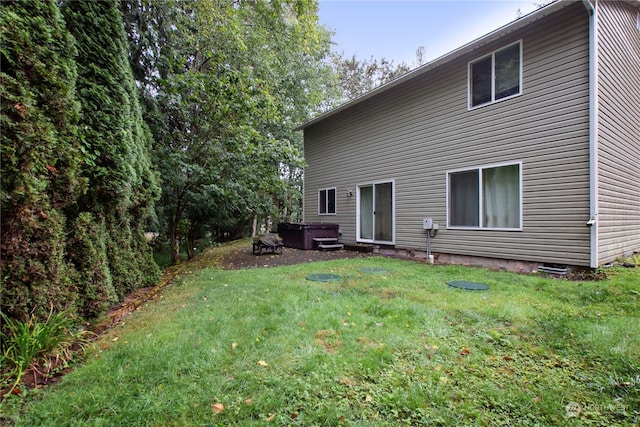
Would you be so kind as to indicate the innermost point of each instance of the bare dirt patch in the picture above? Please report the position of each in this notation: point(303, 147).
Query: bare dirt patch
point(244, 258)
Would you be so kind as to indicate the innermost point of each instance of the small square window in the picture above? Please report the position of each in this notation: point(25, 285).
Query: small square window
point(496, 76)
point(327, 201)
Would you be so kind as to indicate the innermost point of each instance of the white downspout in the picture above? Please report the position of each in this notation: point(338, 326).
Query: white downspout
point(593, 130)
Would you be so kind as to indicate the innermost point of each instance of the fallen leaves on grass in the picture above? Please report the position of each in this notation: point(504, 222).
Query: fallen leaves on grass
point(328, 338)
point(263, 363)
point(347, 381)
point(217, 408)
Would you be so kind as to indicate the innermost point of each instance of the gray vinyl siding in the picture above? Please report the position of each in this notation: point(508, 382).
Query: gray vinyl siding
point(419, 130)
point(619, 131)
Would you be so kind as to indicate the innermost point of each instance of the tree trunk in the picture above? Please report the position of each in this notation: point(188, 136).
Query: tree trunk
point(175, 244)
point(191, 245)
point(254, 229)
point(190, 248)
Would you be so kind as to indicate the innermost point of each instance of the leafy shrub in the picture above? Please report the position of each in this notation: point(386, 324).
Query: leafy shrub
point(35, 274)
point(25, 344)
point(87, 250)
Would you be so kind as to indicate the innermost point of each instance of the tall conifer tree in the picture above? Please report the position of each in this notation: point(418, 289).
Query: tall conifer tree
point(40, 157)
point(122, 184)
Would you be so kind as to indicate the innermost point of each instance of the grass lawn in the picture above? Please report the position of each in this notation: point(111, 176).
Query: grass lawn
point(400, 347)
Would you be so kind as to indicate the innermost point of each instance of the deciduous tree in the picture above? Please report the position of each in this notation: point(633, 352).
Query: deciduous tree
point(357, 77)
point(222, 102)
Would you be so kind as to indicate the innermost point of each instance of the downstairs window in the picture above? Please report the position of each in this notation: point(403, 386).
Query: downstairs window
point(487, 197)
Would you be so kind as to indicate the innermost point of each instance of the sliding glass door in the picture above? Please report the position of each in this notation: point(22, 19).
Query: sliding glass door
point(375, 216)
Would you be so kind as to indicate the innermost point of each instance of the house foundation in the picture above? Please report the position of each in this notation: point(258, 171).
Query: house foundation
point(440, 258)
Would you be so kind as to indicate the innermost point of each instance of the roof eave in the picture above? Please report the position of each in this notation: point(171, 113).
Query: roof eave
point(446, 58)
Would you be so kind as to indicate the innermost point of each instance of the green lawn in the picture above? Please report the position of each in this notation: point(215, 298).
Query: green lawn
point(268, 347)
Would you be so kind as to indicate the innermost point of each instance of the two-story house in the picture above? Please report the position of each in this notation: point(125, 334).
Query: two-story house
point(523, 146)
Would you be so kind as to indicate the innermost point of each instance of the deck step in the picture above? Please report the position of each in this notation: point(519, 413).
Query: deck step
point(325, 239)
point(332, 247)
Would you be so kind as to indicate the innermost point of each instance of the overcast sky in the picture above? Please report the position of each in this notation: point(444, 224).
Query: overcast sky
point(395, 29)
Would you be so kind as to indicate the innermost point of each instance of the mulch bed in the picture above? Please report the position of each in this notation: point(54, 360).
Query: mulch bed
point(244, 258)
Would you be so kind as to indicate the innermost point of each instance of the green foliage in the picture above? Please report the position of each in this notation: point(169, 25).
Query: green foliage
point(222, 102)
point(77, 180)
point(27, 343)
point(40, 157)
point(40, 153)
point(123, 264)
point(111, 117)
point(36, 273)
point(23, 342)
point(88, 252)
point(122, 183)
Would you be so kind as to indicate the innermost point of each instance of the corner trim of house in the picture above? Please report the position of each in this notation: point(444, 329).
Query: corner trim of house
point(592, 8)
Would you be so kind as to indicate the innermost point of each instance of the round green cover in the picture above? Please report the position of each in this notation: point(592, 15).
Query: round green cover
point(471, 286)
point(323, 277)
point(373, 270)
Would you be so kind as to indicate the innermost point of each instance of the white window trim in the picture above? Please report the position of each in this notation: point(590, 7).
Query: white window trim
point(493, 80)
point(480, 207)
point(335, 202)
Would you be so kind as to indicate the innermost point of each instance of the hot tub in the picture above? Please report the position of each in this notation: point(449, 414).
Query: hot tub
point(300, 235)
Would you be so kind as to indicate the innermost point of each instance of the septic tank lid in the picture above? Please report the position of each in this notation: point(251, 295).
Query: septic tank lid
point(323, 277)
point(470, 286)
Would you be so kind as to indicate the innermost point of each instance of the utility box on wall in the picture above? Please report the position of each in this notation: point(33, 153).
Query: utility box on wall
point(427, 223)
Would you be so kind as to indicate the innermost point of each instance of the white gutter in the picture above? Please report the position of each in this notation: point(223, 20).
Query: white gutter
point(593, 130)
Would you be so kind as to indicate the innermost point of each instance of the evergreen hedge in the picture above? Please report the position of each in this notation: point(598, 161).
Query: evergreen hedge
point(77, 180)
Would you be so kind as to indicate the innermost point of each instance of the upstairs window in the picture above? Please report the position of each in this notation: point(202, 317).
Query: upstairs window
point(327, 201)
point(487, 197)
point(496, 76)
